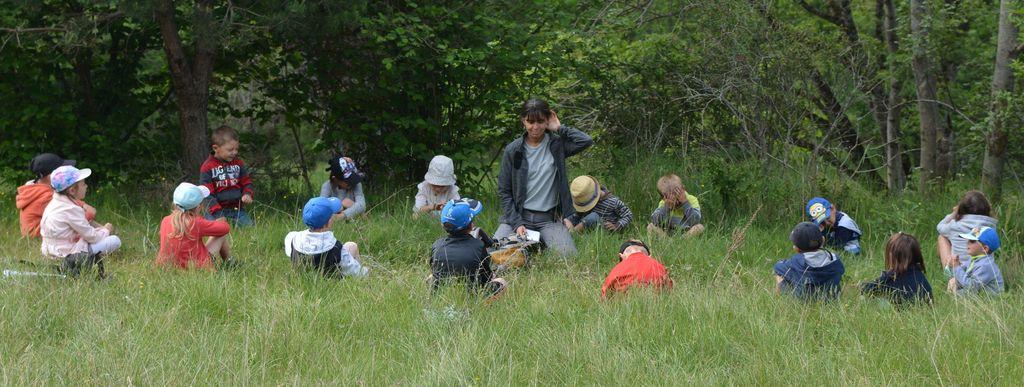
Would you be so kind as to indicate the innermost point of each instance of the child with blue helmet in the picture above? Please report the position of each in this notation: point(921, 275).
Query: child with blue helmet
point(460, 255)
point(316, 248)
point(838, 227)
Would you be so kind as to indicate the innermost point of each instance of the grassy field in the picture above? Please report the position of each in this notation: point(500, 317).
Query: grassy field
point(263, 323)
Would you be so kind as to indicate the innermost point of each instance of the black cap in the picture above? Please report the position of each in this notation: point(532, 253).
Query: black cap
point(634, 242)
point(345, 170)
point(806, 236)
point(45, 163)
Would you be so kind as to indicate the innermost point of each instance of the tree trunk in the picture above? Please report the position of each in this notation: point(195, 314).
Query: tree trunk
point(190, 79)
point(926, 99)
point(896, 180)
point(1002, 87)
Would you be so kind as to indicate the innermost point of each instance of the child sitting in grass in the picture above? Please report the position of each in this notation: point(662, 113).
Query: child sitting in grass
point(67, 234)
point(839, 228)
point(317, 249)
point(345, 184)
point(460, 255)
point(973, 211)
point(437, 188)
point(903, 281)
point(813, 272)
point(227, 178)
point(677, 212)
point(34, 195)
point(979, 271)
point(182, 232)
point(596, 206)
point(636, 268)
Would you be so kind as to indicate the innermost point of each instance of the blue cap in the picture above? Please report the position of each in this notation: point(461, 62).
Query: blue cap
point(460, 212)
point(188, 196)
point(318, 211)
point(986, 236)
point(818, 209)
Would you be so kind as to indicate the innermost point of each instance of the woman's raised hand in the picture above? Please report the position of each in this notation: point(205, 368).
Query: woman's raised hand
point(553, 122)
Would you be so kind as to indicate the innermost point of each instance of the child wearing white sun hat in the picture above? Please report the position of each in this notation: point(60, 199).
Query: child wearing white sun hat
point(437, 188)
point(66, 232)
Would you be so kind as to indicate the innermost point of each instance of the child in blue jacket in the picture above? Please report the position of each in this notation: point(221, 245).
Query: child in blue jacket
point(813, 272)
point(839, 229)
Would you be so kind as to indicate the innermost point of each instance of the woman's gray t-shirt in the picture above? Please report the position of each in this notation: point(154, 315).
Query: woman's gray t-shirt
point(540, 178)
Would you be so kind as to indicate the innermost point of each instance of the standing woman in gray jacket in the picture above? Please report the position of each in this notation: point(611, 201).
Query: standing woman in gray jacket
point(533, 185)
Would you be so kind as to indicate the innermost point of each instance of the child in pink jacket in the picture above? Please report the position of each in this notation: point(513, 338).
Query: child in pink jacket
point(67, 234)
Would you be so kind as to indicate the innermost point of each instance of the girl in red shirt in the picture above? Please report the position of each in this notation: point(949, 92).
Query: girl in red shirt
point(182, 232)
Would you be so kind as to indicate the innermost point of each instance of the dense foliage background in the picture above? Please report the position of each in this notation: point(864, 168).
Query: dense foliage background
point(796, 85)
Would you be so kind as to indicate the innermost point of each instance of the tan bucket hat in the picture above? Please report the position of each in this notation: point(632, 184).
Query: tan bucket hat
point(585, 192)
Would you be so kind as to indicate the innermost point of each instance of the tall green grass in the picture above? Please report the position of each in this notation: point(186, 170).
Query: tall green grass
point(263, 323)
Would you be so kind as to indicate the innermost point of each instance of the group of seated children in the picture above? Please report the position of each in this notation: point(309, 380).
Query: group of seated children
point(52, 207)
point(967, 242)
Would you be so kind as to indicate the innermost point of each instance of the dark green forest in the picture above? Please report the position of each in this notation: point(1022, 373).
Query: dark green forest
point(892, 95)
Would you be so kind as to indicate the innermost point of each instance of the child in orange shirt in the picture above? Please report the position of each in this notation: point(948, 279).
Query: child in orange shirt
point(635, 268)
point(182, 232)
point(36, 194)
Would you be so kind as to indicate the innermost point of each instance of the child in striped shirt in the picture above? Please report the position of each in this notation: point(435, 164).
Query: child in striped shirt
point(595, 205)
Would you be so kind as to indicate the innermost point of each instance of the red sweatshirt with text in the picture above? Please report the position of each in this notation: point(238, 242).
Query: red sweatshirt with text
point(228, 181)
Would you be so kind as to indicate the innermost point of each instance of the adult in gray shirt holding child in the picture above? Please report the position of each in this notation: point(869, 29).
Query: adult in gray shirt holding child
point(533, 185)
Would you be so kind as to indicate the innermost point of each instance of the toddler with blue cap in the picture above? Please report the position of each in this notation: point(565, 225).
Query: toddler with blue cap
point(838, 227)
point(979, 273)
point(183, 231)
point(460, 255)
point(317, 249)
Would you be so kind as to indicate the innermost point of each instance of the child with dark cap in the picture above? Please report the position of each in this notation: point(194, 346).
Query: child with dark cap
point(838, 227)
point(813, 272)
point(460, 255)
point(977, 271)
point(317, 248)
point(345, 184)
point(35, 194)
point(636, 268)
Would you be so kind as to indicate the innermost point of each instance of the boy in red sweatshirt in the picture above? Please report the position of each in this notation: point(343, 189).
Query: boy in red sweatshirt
point(636, 268)
point(36, 194)
point(224, 173)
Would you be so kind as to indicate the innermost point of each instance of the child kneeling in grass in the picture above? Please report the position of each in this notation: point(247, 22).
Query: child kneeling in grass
point(317, 248)
point(460, 255)
point(903, 281)
point(979, 272)
point(636, 268)
point(813, 272)
point(677, 212)
point(67, 234)
point(839, 229)
point(596, 206)
point(182, 232)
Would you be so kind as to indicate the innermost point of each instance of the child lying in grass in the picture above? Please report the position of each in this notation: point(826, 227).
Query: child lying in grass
point(317, 249)
point(460, 256)
point(636, 268)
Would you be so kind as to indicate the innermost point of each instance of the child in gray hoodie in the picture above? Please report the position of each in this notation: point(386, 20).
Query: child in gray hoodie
point(973, 211)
